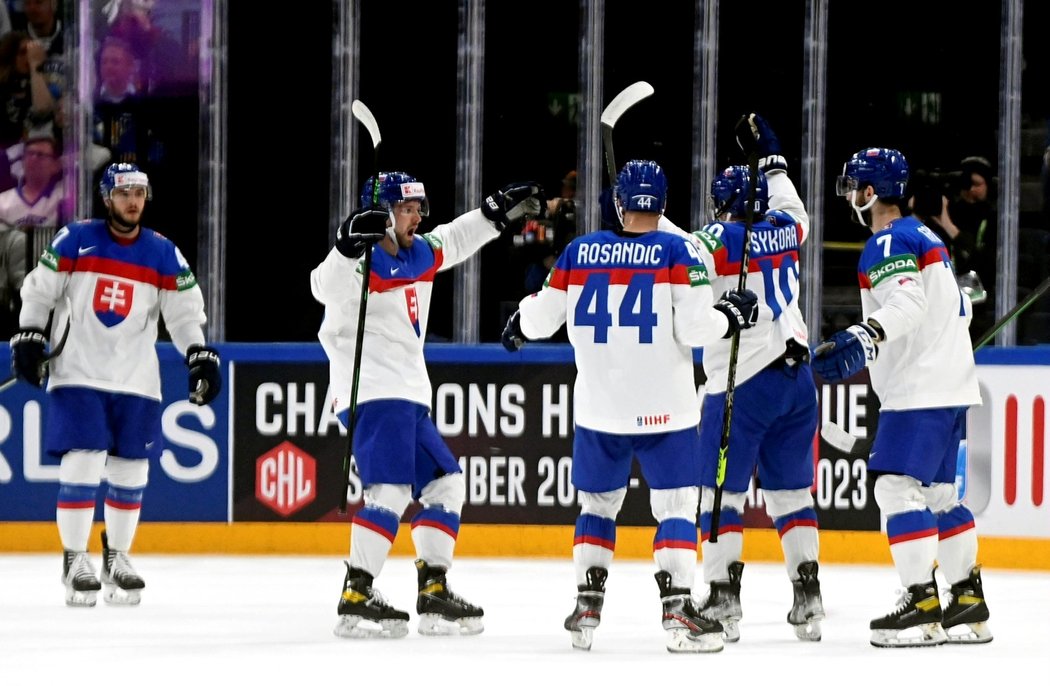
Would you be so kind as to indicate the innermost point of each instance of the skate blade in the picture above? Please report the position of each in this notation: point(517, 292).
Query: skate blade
point(583, 638)
point(682, 641)
point(350, 626)
point(436, 625)
point(115, 595)
point(913, 637)
point(809, 631)
point(730, 630)
point(81, 598)
point(975, 632)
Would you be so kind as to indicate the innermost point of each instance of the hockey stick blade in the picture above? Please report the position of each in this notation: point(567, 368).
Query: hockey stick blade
point(364, 115)
point(625, 100)
point(838, 438)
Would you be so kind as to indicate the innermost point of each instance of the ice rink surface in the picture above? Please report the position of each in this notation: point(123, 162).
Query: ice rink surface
point(268, 620)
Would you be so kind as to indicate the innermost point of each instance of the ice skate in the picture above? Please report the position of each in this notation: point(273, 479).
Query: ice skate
point(688, 631)
point(588, 613)
point(807, 609)
point(915, 623)
point(121, 584)
point(78, 575)
point(442, 612)
point(364, 613)
point(723, 602)
point(966, 611)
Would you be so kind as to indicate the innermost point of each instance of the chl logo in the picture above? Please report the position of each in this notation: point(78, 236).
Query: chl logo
point(112, 300)
point(286, 478)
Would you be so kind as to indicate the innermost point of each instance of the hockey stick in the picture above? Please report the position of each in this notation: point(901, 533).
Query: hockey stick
point(363, 115)
point(847, 443)
point(1009, 316)
point(52, 354)
point(734, 349)
point(624, 100)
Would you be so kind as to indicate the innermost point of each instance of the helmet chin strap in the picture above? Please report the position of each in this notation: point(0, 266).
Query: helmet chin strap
point(391, 234)
point(859, 211)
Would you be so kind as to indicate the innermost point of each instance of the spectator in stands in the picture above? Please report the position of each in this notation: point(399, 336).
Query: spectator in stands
point(972, 209)
point(41, 23)
point(23, 89)
point(29, 215)
point(117, 71)
point(167, 67)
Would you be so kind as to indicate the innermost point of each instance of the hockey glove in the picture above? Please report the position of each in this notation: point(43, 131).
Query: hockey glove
point(205, 378)
point(846, 353)
point(28, 359)
point(512, 337)
point(514, 201)
point(755, 136)
point(741, 309)
point(361, 229)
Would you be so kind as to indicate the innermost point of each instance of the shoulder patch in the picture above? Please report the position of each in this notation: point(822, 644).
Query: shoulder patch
point(434, 241)
point(711, 241)
point(698, 275)
point(49, 259)
point(185, 280)
point(896, 265)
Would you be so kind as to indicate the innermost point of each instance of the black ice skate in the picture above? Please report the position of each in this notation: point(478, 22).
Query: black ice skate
point(78, 575)
point(807, 609)
point(915, 623)
point(587, 616)
point(966, 609)
point(688, 631)
point(723, 602)
point(442, 612)
point(363, 613)
point(121, 584)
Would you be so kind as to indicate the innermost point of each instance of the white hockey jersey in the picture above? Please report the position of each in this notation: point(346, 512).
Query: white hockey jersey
point(399, 291)
point(112, 293)
point(633, 307)
point(907, 284)
point(773, 274)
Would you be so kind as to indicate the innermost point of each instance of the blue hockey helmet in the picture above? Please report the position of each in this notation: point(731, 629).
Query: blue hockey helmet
point(641, 187)
point(123, 175)
point(730, 192)
point(884, 169)
point(394, 187)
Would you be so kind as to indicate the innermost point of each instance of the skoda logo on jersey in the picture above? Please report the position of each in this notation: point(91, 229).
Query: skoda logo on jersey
point(112, 300)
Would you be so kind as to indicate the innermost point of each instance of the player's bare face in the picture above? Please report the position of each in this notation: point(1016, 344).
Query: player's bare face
point(406, 221)
point(125, 208)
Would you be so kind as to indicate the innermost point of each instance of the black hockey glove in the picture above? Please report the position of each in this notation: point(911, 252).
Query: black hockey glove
point(205, 377)
point(754, 135)
point(512, 337)
point(28, 359)
point(740, 308)
point(361, 229)
point(514, 201)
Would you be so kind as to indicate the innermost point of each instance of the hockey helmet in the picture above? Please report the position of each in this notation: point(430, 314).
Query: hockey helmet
point(731, 190)
point(884, 169)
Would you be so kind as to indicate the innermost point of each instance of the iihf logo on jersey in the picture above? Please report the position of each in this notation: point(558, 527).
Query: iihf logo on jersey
point(412, 303)
point(653, 419)
point(112, 300)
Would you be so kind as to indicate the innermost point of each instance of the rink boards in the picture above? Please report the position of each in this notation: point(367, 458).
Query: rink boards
point(261, 469)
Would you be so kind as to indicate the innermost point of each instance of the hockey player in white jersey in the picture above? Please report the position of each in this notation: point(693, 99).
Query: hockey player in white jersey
point(914, 340)
point(399, 453)
point(775, 399)
point(635, 302)
point(109, 281)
